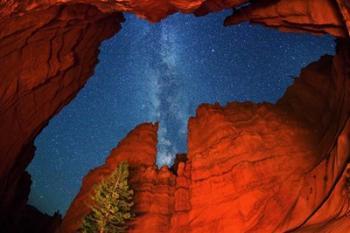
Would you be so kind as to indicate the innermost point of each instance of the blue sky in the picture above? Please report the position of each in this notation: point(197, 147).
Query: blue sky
point(162, 72)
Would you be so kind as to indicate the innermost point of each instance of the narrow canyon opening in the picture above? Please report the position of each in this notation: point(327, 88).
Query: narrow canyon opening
point(161, 73)
point(244, 159)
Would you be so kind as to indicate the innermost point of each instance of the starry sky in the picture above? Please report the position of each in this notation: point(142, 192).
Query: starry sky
point(162, 72)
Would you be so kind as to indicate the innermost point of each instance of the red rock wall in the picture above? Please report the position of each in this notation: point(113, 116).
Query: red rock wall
point(154, 188)
point(312, 16)
point(48, 49)
point(344, 6)
point(315, 16)
point(265, 168)
point(328, 197)
point(45, 58)
point(250, 167)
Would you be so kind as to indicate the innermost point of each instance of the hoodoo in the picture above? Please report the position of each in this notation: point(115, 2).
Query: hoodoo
point(279, 167)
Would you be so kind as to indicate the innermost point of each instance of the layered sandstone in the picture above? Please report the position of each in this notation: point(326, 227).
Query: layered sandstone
point(154, 189)
point(45, 59)
point(250, 167)
point(48, 50)
point(312, 16)
point(278, 168)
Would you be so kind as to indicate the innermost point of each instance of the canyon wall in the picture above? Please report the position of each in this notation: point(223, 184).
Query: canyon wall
point(328, 16)
point(312, 16)
point(45, 58)
point(48, 50)
point(154, 188)
point(250, 167)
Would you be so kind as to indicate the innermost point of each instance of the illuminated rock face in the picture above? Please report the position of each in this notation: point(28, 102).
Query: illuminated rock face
point(295, 16)
point(48, 49)
point(46, 56)
point(292, 15)
point(154, 189)
point(250, 167)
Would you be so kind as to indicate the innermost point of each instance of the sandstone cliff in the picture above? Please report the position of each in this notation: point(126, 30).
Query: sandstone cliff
point(250, 167)
point(48, 49)
point(45, 58)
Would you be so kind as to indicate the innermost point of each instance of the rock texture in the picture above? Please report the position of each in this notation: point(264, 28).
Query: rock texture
point(313, 16)
point(278, 168)
point(48, 49)
point(154, 189)
point(250, 167)
point(45, 58)
point(288, 15)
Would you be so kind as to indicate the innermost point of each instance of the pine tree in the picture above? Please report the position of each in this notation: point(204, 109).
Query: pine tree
point(112, 204)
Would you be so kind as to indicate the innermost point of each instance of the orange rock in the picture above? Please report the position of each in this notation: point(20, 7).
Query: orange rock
point(296, 16)
point(153, 189)
point(288, 15)
point(289, 157)
point(44, 62)
point(250, 167)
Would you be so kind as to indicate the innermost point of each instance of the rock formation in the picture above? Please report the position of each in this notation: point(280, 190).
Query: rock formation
point(256, 168)
point(45, 58)
point(154, 189)
point(293, 16)
point(48, 49)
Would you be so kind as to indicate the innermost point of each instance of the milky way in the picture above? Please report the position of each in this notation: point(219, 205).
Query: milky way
point(162, 72)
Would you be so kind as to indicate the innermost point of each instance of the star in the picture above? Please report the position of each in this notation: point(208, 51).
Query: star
point(162, 72)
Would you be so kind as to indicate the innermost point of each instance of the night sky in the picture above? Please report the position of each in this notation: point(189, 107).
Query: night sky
point(162, 72)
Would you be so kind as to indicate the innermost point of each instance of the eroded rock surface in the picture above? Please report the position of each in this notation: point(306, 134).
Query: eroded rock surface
point(250, 167)
point(313, 16)
point(45, 59)
point(48, 49)
point(154, 188)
